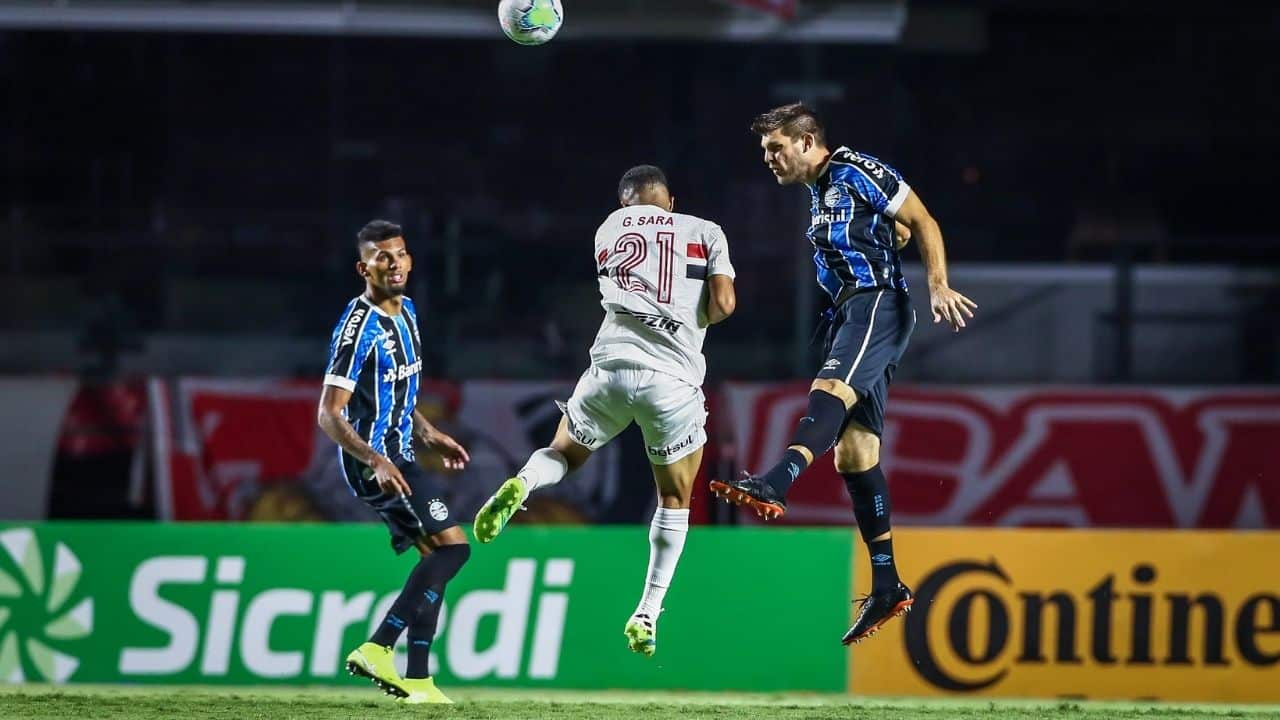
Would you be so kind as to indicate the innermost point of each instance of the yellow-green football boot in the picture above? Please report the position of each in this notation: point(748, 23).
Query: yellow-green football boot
point(423, 691)
point(497, 510)
point(376, 662)
point(642, 635)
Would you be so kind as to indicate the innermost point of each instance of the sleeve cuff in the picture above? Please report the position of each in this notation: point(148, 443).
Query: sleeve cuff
point(339, 381)
point(898, 198)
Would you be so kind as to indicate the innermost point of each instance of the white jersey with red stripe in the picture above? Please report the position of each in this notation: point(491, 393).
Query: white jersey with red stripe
point(653, 267)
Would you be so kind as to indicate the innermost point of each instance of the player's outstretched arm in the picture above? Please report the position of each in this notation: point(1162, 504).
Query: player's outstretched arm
point(333, 400)
point(721, 300)
point(945, 303)
point(455, 456)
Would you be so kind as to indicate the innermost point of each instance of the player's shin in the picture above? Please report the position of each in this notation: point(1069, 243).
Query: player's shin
point(433, 570)
point(667, 534)
point(422, 632)
point(870, 494)
point(816, 432)
point(545, 468)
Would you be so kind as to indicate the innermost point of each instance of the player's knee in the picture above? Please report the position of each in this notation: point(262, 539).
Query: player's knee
point(837, 388)
point(574, 454)
point(463, 551)
point(454, 553)
point(858, 451)
point(676, 500)
point(449, 537)
point(856, 461)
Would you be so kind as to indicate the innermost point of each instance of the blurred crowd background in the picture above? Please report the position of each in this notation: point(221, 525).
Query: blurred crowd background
point(164, 191)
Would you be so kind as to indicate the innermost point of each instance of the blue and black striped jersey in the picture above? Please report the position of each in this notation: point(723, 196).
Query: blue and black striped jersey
point(377, 357)
point(852, 207)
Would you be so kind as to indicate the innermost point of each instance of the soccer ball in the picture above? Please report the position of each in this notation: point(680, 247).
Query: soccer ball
point(530, 22)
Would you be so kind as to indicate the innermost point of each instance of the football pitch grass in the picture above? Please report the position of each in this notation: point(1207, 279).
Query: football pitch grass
point(91, 702)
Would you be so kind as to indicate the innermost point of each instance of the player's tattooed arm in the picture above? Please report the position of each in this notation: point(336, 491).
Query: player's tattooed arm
point(329, 416)
point(945, 303)
point(455, 456)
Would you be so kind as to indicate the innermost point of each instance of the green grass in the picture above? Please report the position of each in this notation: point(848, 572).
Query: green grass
point(139, 702)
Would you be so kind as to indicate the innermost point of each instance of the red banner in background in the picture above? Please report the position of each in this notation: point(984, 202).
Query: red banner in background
point(782, 8)
point(251, 450)
point(221, 444)
point(1043, 457)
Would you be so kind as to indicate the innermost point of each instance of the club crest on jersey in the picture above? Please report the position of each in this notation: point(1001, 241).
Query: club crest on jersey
point(832, 196)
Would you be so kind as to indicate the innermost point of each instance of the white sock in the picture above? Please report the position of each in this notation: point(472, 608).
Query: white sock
point(666, 541)
point(545, 468)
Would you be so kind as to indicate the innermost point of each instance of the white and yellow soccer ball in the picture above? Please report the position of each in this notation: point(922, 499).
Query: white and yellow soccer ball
point(530, 22)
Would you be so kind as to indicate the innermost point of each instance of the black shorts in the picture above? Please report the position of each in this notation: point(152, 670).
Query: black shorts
point(865, 341)
point(408, 518)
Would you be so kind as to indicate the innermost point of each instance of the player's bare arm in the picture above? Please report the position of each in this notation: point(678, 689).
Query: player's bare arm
point(901, 234)
point(721, 298)
point(332, 401)
point(455, 456)
point(945, 303)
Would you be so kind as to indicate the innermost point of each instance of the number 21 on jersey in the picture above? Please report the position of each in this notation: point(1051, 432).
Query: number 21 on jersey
point(632, 274)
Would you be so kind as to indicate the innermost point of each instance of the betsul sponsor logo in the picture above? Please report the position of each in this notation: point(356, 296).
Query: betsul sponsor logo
point(673, 448)
point(1118, 614)
point(232, 622)
point(43, 615)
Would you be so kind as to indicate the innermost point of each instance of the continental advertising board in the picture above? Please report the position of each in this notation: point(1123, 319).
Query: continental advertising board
point(1191, 615)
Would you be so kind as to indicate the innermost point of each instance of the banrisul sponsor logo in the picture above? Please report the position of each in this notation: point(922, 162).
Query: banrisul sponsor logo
point(44, 615)
point(234, 627)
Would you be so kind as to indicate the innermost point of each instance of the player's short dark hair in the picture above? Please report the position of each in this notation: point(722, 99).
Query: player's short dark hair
point(376, 231)
point(640, 177)
point(794, 119)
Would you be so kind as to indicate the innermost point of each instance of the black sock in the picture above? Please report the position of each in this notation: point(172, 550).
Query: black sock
point(816, 432)
point(436, 569)
point(786, 471)
point(884, 573)
point(870, 494)
point(422, 632)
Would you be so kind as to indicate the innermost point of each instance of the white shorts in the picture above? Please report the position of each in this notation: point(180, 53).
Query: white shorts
point(671, 413)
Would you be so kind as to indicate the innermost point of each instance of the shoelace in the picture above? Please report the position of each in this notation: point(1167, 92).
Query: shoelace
point(647, 621)
point(863, 604)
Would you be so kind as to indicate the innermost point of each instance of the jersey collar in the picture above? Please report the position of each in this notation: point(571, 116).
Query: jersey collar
point(373, 307)
point(826, 165)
